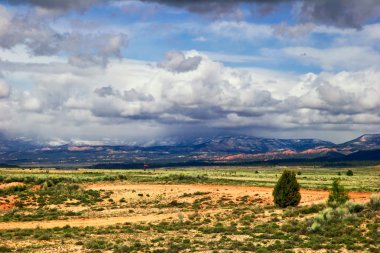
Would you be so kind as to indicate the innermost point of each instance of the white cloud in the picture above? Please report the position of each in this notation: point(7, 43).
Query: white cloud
point(5, 20)
point(130, 95)
point(177, 62)
point(25, 30)
point(334, 59)
point(5, 89)
point(241, 30)
point(285, 30)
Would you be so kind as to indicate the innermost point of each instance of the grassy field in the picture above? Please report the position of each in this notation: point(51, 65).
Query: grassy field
point(203, 209)
point(364, 179)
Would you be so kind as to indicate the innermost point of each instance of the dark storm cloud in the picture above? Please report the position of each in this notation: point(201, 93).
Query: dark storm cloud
point(341, 13)
point(59, 5)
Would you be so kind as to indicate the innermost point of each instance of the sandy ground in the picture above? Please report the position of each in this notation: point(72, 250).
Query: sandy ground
point(263, 194)
point(137, 193)
point(7, 185)
point(93, 222)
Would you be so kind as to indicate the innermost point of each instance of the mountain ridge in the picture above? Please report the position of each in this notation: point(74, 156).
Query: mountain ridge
point(221, 148)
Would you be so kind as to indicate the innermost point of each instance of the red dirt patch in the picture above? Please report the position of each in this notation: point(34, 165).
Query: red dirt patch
point(7, 185)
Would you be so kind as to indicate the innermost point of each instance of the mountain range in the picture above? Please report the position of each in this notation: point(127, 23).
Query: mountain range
point(218, 149)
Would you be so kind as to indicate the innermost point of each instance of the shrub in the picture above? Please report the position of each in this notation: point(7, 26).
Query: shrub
point(349, 173)
point(338, 195)
point(13, 189)
point(97, 244)
point(287, 190)
point(328, 216)
point(315, 226)
point(5, 249)
point(354, 207)
point(374, 202)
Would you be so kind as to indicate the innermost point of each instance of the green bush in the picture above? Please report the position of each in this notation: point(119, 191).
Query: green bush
point(101, 244)
point(338, 195)
point(5, 249)
point(374, 202)
point(354, 207)
point(13, 189)
point(287, 190)
point(329, 216)
point(349, 173)
point(316, 226)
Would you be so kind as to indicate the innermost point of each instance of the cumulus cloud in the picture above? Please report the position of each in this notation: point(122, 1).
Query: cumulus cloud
point(187, 91)
point(341, 94)
point(177, 62)
point(84, 49)
point(131, 93)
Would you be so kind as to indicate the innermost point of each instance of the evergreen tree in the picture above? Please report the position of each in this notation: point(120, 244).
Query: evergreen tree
point(338, 195)
point(287, 190)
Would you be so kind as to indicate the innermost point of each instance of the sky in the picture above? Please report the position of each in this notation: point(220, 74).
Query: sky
point(137, 71)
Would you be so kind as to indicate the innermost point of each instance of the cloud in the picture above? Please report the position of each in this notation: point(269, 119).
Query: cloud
point(177, 62)
point(341, 94)
point(30, 103)
point(83, 48)
point(335, 58)
point(340, 13)
point(59, 5)
point(284, 30)
point(5, 20)
point(105, 91)
point(130, 95)
point(5, 89)
point(241, 30)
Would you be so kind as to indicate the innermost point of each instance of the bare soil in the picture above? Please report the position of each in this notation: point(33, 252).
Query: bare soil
point(135, 194)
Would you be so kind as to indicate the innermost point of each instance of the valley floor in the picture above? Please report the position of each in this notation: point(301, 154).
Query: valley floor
point(44, 211)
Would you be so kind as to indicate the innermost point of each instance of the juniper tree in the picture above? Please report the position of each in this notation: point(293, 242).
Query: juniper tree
point(338, 195)
point(287, 190)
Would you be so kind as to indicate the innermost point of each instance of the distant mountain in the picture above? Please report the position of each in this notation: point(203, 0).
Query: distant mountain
point(15, 144)
point(253, 145)
point(364, 142)
point(218, 149)
point(364, 155)
point(243, 144)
